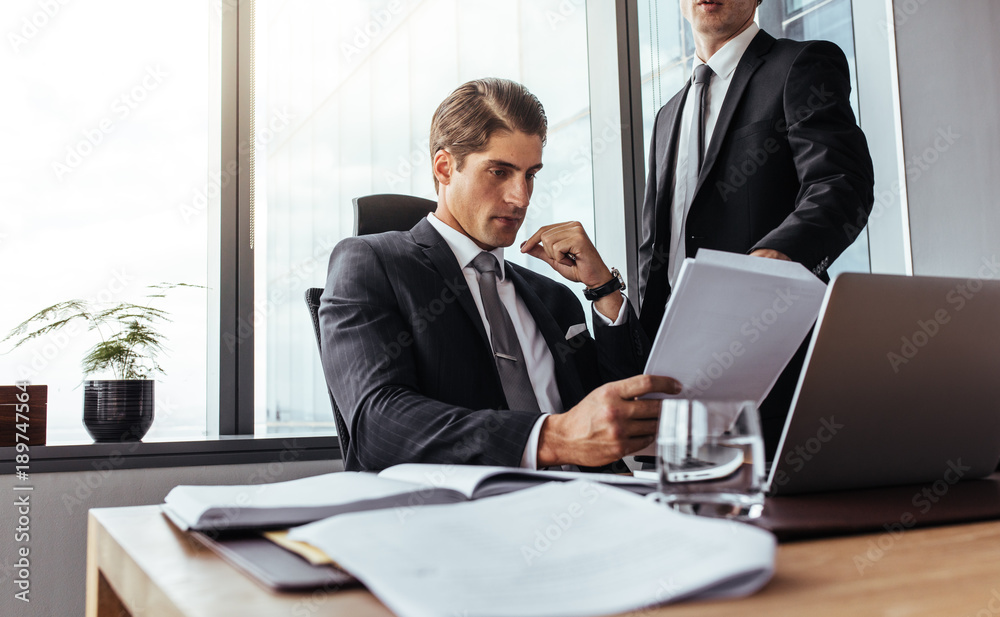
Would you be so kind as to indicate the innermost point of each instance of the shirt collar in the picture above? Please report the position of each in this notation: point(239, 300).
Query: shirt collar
point(462, 246)
point(724, 61)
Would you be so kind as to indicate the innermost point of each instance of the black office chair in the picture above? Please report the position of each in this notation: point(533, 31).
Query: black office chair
point(387, 212)
point(372, 214)
point(312, 301)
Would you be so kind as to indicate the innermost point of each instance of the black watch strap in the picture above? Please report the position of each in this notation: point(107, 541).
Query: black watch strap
point(615, 284)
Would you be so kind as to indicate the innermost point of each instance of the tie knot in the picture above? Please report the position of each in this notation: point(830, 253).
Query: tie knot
point(702, 73)
point(486, 262)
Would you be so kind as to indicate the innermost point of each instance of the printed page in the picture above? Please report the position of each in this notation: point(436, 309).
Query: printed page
point(574, 548)
point(733, 323)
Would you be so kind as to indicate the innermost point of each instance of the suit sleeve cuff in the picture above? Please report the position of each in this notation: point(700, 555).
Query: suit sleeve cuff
point(622, 314)
point(529, 460)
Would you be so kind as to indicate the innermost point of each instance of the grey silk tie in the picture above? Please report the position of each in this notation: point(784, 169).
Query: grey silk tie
point(695, 158)
point(506, 350)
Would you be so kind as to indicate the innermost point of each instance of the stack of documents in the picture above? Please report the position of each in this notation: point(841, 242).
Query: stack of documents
point(575, 548)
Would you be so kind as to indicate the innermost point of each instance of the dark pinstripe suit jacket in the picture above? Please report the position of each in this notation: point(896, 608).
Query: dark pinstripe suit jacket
point(409, 363)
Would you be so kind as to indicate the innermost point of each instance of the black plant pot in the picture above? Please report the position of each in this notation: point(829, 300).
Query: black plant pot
point(118, 409)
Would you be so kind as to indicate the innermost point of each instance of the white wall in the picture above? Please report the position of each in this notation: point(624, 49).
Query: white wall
point(59, 504)
point(949, 84)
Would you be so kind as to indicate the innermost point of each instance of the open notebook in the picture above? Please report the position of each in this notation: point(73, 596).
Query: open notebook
point(286, 504)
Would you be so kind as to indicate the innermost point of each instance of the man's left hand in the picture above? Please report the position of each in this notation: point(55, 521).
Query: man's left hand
point(567, 248)
point(770, 254)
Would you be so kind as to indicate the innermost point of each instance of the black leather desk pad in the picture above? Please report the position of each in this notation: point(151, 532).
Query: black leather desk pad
point(888, 509)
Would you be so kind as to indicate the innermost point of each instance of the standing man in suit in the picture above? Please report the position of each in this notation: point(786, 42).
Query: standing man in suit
point(437, 350)
point(759, 153)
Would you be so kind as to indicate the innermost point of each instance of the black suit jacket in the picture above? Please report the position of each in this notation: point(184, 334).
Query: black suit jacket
point(787, 169)
point(409, 363)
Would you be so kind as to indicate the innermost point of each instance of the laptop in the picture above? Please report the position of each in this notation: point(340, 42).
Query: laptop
point(901, 385)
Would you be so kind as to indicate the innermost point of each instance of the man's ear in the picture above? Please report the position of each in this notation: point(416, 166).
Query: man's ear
point(443, 166)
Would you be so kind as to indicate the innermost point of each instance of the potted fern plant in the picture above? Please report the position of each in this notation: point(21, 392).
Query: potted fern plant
point(119, 409)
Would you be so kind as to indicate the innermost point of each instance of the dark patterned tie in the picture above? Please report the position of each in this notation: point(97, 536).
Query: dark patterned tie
point(506, 350)
point(702, 77)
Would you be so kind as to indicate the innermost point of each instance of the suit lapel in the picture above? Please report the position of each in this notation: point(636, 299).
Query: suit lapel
point(672, 117)
point(441, 256)
point(747, 66)
point(567, 379)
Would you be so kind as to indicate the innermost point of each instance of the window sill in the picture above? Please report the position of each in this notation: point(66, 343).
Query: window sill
point(218, 450)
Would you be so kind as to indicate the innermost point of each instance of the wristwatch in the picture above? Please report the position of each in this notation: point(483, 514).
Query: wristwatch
point(615, 284)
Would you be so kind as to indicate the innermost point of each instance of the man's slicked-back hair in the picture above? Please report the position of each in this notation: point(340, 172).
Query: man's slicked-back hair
point(465, 121)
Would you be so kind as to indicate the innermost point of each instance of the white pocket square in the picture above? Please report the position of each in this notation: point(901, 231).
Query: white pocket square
point(574, 330)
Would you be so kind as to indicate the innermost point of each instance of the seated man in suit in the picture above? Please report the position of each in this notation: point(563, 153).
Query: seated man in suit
point(439, 351)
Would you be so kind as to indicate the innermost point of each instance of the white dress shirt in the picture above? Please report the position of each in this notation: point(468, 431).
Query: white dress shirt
point(537, 356)
point(723, 64)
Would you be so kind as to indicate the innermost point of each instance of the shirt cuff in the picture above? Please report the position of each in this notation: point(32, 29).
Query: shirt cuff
point(622, 313)
point(529, 460)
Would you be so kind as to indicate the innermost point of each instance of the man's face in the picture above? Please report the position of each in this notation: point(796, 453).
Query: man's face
point(718, 19)
point(488, 198)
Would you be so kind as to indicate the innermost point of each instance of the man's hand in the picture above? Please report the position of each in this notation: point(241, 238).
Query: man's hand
point(567, 248)
point(608, 424)
point(770, 254)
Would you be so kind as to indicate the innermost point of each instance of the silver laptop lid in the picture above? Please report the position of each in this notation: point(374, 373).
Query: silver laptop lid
point(901, 385)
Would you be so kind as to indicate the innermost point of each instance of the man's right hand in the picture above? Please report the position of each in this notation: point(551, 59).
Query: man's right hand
point(608, 424)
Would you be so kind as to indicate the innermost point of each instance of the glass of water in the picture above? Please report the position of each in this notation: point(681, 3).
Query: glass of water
point(710, 458)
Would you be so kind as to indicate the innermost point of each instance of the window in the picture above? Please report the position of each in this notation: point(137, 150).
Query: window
point(105, 182)
point(133, 153)
point(345, 93)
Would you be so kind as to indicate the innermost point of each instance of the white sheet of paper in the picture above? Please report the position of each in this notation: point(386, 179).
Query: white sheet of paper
point(574, 548)
point(733, 323)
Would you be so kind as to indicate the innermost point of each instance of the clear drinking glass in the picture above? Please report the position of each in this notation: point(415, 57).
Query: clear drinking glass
point(710, 458)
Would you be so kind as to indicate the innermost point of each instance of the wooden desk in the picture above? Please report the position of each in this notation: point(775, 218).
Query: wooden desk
point(139, 563)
